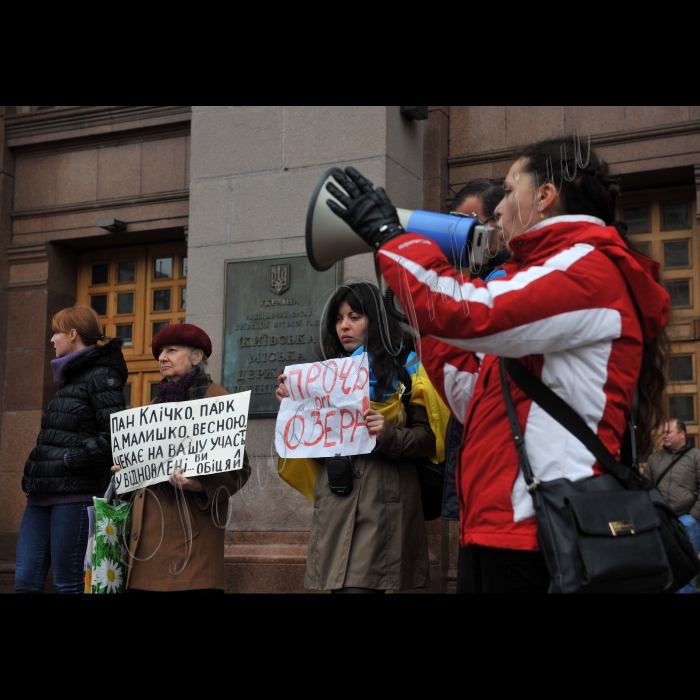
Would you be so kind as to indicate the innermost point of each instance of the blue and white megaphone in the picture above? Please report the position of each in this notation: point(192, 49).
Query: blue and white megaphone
point(462, 239)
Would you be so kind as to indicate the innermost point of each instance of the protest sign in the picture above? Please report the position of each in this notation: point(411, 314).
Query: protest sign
point(322, 416)
point(202, 437)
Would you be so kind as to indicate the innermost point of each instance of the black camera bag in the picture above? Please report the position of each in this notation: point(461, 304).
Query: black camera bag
point(340, 474)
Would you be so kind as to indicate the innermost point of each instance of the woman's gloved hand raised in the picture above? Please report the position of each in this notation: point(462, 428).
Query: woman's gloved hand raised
point(368, 212)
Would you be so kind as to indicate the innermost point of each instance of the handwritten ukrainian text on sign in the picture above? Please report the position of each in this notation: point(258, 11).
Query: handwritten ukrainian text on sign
point(322, 416)
point(202, 437)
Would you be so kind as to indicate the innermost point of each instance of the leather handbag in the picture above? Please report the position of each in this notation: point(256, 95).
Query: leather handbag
point(612, 533)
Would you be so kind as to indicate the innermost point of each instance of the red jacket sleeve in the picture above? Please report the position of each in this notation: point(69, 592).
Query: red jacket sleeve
point(554, 305)
point(452, 370)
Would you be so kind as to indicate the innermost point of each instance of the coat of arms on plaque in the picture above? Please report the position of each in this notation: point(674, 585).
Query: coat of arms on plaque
point(279, 278)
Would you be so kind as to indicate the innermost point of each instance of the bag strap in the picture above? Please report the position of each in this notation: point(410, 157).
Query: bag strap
point(558, 409)
point(668, 468)
point(531, 483)
point(628, 450)
point(404, 377)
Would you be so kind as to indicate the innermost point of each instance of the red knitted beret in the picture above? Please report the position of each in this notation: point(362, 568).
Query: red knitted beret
point(181, 334)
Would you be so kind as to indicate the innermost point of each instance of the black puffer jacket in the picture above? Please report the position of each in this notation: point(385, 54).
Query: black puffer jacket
point(76, 424)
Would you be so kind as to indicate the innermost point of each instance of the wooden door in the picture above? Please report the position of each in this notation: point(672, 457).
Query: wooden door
point(136, 292)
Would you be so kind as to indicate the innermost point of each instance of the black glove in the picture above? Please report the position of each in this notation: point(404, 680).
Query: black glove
point(368, 212)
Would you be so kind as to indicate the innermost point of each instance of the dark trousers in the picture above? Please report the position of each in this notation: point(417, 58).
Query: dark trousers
point(52, 535)
point(490, 570)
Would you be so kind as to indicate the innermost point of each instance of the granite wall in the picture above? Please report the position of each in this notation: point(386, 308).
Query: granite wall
point(61, 171)
point(253, 171)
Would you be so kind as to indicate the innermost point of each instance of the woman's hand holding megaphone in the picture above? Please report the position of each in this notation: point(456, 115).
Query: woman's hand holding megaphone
point(368, 212)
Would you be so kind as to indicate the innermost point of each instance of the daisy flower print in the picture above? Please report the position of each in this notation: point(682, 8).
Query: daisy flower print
point(107, 529)
point(109, 576)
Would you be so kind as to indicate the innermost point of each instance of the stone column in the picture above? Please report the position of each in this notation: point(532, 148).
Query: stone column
point(436, 175)
point(25, 375)
point(697, 195)
point(41, 281)
point(437, 195)
point(253, 170)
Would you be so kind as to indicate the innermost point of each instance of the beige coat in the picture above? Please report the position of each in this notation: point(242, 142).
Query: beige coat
point(156, 565)
point(375, 536)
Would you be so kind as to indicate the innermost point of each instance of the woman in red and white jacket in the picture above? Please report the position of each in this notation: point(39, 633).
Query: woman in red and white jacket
point(577, 305)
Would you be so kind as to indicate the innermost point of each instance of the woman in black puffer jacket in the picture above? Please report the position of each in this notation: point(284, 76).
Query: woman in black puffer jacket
point(72, 458)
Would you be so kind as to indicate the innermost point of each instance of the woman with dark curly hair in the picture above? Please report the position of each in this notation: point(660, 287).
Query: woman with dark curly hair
point(372, 539)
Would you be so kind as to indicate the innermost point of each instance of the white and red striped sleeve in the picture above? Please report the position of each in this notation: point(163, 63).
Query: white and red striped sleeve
point(558, 304)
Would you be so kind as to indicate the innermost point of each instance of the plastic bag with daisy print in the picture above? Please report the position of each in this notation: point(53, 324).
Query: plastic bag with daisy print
point(110, 557)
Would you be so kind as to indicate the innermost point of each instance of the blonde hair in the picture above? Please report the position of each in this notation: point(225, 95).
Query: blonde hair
point(84, 320)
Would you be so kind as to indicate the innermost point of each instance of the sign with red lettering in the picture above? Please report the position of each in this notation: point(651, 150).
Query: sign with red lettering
point(205, 436)
point(322, 416)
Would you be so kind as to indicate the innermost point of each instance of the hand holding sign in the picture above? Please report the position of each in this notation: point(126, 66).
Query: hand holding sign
point(178, 442)
point(323, 407)
point(375, 422)
point(178, 479)
point(186, 483)
point(373, 419)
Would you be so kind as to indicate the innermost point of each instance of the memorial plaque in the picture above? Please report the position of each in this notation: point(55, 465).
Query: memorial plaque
point(271, 320)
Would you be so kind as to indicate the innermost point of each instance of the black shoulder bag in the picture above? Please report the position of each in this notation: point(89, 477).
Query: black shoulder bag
point(430, 476)
point(612, 533)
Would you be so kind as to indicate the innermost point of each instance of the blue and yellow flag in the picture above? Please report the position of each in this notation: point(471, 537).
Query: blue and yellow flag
point(301, 474)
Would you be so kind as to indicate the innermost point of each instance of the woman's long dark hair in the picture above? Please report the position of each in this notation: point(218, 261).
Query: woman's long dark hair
point(385, 336)
point(583, 182)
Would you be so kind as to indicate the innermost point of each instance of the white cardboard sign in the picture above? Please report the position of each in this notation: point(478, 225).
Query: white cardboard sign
point(206, 436)
point(322, 416)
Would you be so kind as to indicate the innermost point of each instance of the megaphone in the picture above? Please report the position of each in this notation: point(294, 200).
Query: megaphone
point(461, 238)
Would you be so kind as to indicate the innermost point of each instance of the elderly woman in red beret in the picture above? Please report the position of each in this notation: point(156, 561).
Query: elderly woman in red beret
point(170, 551)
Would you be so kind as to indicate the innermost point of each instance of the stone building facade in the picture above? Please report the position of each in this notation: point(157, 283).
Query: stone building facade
point(139, 210)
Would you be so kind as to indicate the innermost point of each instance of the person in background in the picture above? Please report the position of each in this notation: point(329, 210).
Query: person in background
point(71, 461)
point(675, 471)
point(479, 199)
point(170, 551)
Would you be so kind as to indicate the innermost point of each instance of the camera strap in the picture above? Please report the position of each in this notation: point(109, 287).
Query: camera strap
point(405, 378)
